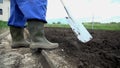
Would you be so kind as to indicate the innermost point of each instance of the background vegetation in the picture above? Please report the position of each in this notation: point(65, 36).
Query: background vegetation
point(3, 24)
point(88, 25)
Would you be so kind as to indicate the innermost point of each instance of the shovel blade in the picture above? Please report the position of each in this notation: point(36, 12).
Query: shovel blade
point(80, 31)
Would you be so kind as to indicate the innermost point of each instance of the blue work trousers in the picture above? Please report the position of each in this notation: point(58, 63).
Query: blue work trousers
point(22, 10)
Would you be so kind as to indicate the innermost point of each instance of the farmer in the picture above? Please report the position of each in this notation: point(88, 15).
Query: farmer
point(34, 13)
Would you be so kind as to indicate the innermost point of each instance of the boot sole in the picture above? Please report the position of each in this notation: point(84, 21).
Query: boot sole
point(33, 46)
point(20, 46)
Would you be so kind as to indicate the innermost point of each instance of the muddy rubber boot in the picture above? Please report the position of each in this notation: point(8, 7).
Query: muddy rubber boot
point(18, 38)
point(36, 30)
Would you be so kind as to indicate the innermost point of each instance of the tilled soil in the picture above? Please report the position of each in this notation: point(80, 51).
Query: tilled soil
point(103, 51)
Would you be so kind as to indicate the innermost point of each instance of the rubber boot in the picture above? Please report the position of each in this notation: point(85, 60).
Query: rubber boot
point(36, 30)
point(18, 40)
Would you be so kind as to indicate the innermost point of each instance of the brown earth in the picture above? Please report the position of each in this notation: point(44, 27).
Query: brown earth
point(103, 51)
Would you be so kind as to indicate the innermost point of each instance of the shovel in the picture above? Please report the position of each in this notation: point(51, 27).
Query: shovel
point(78, 28)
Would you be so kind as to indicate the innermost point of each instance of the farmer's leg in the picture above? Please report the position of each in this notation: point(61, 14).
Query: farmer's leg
point(35, 12)
point(17, 24)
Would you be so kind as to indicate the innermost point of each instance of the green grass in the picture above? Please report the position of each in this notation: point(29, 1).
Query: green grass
point(3, 24)
point(96, 26)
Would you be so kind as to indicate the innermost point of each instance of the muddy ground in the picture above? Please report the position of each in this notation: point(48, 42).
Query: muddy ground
point(103, 51)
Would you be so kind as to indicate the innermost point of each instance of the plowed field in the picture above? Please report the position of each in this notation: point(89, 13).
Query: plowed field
point(103, 51)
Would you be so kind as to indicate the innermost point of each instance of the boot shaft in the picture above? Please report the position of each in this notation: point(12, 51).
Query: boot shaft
point(36, 29)
point(17, 33)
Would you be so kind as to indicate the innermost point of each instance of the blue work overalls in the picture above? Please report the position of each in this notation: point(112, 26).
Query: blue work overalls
point(22, 10)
